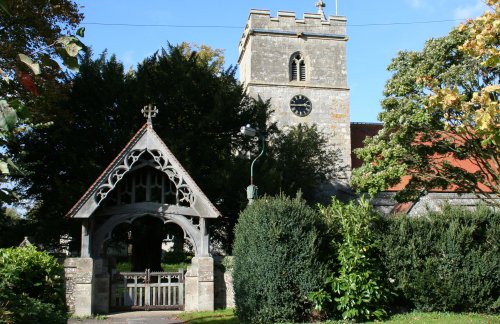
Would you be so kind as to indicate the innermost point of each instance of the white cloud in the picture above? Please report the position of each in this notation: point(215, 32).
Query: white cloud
point(470, 11)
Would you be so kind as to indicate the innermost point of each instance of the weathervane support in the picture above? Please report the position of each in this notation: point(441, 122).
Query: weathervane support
point(149, 112)
point(320, 5)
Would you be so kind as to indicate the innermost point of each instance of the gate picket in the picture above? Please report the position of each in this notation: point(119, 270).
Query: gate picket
point(147, 290)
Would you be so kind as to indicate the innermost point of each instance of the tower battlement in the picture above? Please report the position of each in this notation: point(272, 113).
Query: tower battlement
point(299, 64)
point(287, 24)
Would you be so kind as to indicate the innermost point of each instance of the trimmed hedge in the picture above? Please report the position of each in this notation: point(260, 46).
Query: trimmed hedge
point(280, 252)
point(448, 261)
point(31, 287)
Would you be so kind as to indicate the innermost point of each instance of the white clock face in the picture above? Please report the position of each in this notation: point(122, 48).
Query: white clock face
point(301, 105)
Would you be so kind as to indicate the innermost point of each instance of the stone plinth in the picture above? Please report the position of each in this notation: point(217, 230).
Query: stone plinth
point(78, 274)
point(199, 285)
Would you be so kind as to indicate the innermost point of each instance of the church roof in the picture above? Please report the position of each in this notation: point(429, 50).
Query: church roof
point(360, 131)
point(144, 140)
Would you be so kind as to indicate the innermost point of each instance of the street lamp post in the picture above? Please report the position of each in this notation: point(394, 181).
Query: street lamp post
point(253, 132)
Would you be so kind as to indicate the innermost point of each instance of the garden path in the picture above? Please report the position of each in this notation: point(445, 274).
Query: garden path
point(142, 317)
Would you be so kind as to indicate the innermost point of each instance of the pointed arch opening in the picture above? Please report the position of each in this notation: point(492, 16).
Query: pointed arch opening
point(298, 70)
point(147, 242)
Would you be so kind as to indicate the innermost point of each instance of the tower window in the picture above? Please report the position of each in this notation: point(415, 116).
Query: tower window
point(297, 68)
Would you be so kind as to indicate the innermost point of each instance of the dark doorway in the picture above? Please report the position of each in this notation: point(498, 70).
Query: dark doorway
point(147, 237)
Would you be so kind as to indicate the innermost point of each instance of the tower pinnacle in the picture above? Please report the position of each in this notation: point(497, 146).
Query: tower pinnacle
point(320, 4)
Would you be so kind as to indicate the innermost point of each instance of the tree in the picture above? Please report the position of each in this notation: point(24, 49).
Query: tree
point(299, 159)
point(206, 55)
point(34, 36)
point(441, 117)
point(201, 110)
point(358, 289)
point(89, 126)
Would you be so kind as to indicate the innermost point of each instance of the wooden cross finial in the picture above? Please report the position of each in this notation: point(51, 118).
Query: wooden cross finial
point(149, 112)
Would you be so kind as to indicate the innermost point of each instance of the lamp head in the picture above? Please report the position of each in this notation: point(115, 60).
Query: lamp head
point(248, 131)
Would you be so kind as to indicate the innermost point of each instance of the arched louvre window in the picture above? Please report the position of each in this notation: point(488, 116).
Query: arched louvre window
point(298, 68)
point(302, 70)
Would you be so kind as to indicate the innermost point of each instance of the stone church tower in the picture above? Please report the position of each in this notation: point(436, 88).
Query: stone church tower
point(300, 64)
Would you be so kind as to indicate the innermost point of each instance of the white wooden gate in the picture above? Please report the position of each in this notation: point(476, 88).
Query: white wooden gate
point(147, 290)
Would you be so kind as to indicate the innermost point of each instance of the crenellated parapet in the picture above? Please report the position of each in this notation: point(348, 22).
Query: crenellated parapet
point(300, 65)
point(286, 24)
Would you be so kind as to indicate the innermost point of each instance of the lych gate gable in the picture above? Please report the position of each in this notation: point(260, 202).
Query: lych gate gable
point(141, 159)
point(146, 142)
point(144, 179)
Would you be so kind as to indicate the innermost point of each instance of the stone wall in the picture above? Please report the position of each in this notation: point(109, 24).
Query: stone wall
point(78, 274)
point(223, 282)
point(199, 285)
point(433, 201)
point(208, 285)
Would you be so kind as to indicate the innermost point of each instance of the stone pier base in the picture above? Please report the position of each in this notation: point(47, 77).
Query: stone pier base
point(78, 274)
point(199, 285)
point(101, 285)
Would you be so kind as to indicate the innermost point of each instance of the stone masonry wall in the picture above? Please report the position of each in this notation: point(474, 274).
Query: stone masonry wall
point(223, 282)
point(266, 47)
point(433, 201)
point(78, 282)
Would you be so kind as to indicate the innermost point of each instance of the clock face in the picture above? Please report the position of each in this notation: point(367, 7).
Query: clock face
point(301, 105)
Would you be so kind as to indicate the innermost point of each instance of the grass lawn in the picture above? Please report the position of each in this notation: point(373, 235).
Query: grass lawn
point(223, 316)
point(227, 316)
point(126, 266)
point(419, 317)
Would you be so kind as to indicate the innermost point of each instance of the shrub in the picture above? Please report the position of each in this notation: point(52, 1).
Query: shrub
point(358, 290)
point(447, 261)
point(280, 253)
point(31, 287)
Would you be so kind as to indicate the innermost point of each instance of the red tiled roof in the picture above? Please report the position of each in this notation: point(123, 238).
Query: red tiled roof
point(360, 131)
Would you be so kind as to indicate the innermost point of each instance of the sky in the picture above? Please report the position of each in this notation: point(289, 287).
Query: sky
point(377, 31)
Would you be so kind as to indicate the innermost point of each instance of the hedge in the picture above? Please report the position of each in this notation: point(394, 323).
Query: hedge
point(31, 287)
point(447, 261)
point(280, 257)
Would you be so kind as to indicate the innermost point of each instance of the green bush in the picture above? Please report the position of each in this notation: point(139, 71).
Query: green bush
point(31, 287)
point(280, 256)
point(447, 261)
point(173, 257)
point(358, 290)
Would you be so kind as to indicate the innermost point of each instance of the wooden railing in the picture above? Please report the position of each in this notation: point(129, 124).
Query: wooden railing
point(148, 290)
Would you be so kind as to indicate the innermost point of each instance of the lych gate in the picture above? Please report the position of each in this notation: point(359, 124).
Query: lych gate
point(145, 180)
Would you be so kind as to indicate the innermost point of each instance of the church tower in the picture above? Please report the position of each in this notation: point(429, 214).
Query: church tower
point(300, 64)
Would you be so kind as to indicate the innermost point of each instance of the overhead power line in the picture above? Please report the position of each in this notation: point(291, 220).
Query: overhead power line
point(405, 23)
point(241, 27)
point(159, 25)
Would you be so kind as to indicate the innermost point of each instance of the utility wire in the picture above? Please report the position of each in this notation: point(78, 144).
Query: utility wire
point(406, 23)
point(241, 27)
point(158, 25)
